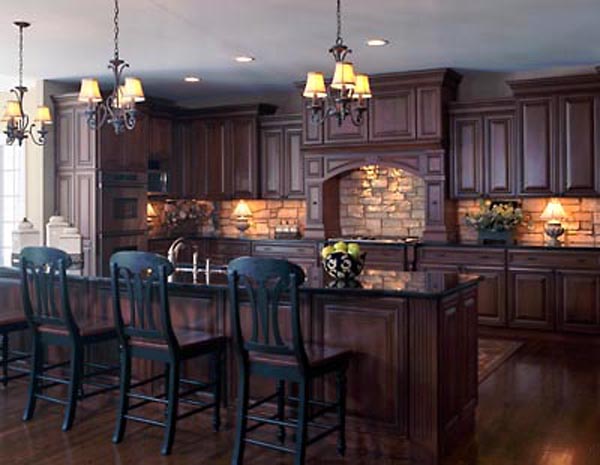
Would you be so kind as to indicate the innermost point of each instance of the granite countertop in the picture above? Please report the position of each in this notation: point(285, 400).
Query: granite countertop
point(373, 282)
point(572, 247)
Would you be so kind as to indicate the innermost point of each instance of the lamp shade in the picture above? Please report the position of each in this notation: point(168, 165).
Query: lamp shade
point(554, 211)
point(344, 77)
point(242, 210)
point(315, 85)
point(150, 211)
point(13, 110)
point(43, 115)
point(133, 89)
point(89, 91)
point(362, 87)
point(123, 100)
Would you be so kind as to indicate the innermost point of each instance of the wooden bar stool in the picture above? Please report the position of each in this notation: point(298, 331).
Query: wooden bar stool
point(51, 321)
point(11, 322)
point(266, 354)
point(137, 278)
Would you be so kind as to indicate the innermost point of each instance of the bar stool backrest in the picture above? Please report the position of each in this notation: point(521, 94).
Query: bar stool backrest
point(139, 279)
point(44, 288)
point(264, 281)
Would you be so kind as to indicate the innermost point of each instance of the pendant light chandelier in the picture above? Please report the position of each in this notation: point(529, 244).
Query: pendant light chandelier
point(348, 92)
point(118, 109)
point(17, 121)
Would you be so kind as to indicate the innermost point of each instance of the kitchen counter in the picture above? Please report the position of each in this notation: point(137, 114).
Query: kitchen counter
point(413, 335)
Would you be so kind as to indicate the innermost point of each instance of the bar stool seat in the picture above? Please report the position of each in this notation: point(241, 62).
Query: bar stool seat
point(190, 341)
point(318, 356)
point(87, 328)
point(13, 318)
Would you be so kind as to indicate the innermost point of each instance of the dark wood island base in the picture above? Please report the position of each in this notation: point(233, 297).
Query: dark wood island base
point(412, 384)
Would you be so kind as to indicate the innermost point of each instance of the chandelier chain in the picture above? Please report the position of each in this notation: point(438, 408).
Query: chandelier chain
point(116, 25)
point(339, 23)
point(20, 56)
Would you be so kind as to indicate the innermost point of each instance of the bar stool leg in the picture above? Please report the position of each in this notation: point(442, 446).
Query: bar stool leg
point(36, 368)
point(4, 359)
point(74, 386)
point(281, 409)
point(301, 432)
point(217, 375)
point(242, 419)
point(124, 389)
point(341, 401)
point(172, 407)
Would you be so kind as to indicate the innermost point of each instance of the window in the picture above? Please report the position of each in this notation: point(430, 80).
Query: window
point(12, 195)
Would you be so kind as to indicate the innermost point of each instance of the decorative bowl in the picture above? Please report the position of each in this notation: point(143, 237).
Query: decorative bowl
point(342, 266)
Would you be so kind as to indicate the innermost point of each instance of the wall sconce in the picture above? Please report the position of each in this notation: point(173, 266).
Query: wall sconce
point(553, 214)
point(150, 213)
point(242, 214)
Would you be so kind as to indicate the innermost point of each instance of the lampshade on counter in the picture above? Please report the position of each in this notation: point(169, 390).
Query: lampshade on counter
point(553, 214)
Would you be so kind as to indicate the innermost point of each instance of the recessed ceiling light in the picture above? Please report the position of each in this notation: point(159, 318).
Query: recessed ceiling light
point(244, 59)
point(191, 79)
point(377, 42)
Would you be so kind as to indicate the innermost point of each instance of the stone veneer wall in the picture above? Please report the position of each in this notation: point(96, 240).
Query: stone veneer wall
point(379, 201)
point(266, 215)
point(583, 224)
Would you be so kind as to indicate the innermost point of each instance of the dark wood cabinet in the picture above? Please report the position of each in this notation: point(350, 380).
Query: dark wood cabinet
point(212, 151)
point(429, 112)
point(578, 301)
point(243, 133)
point(531, 301)
point(392, 115)
point(482, 149)
point(347, 132)
point(536, 149)
point(161, 139)
point(127, 151)
point(492, 294)
point(579, 144)
point(281, 160)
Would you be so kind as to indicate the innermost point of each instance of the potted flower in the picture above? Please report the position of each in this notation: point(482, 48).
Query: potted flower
point(495, 222)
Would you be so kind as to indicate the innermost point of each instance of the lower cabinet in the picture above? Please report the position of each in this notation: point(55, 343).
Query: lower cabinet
point(578, 301)
point(531, 299)
point(491, 295)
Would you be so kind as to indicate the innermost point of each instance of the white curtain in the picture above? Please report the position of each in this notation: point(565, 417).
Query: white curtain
point(12, 194)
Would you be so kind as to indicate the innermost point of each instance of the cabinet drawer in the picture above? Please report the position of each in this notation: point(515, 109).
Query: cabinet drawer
point(553, 260)
point(230, 248)
point(476, 256)
point(284, 250)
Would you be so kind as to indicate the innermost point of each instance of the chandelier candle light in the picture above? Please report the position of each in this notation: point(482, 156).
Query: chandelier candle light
point(119, 107)
point(17, 121)
point(348, 92)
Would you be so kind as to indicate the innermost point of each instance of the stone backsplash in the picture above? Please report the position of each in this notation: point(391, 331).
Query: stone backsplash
point(216, 218)
point(379, 201)
point(582, 225)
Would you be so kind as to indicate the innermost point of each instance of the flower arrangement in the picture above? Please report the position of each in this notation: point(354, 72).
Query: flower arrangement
point(495, 216)
point(186, 215)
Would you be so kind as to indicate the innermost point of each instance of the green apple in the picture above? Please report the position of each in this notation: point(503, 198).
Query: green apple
point(340, 247)
point(327, 251)
point(354, 250)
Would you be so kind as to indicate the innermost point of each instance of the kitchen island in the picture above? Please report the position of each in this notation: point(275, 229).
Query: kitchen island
point(412, 385)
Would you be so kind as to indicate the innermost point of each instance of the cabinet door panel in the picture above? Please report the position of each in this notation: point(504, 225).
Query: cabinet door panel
point(347, 132)
point(491, 295)
point(579, 144)
point(312, 133)
point(392, 116)
point(215, 160)
point(536, 146)
point(531, 299)
point(579, 301)
point(294, 164)
point(243, 158)
point(499, 154)
point(429, 113)
point(467, 157)
point(65, 191)
point(64, 130)
point(272, 161)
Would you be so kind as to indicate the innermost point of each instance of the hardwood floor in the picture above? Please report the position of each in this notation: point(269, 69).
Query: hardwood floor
point(542, 407)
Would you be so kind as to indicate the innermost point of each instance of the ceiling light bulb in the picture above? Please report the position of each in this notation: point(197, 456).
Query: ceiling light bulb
point(377, 42)
point(244, 59)
point(191, 79)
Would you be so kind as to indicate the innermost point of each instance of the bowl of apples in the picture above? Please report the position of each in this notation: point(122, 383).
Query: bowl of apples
point(343, 261)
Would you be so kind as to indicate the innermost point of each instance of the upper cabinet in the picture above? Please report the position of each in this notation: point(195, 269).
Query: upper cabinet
point(405, 108)
point(482, 149)
point(281, 161)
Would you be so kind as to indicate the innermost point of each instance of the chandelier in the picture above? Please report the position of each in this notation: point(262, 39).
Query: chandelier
point(348, 92)
point(118, 109)
point(17, 121)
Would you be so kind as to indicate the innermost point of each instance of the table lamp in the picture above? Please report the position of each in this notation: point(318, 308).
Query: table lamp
point(242, 214)
point(553, 214)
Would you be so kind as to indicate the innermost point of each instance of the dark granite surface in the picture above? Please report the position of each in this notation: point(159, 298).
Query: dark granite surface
point(372, 282)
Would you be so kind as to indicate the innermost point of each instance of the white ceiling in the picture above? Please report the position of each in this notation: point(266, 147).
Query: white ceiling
point(164, 40)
